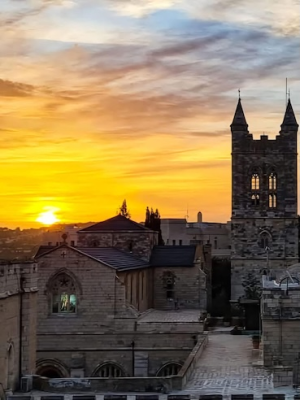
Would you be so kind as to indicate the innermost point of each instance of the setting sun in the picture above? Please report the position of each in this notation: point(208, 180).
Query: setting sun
point(47, 217)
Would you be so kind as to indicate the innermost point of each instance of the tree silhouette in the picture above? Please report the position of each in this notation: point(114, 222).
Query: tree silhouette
point(152, 221)
point(123, 210)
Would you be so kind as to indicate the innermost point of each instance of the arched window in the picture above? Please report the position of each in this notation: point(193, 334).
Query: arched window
point(272, 181)
point(255, 199)
point(109, 370)
point(265, 240)
point(272, 200)
point(255, 182)
point(169, 369)
point(63, 294)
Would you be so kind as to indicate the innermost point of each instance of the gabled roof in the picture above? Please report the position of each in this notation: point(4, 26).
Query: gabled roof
point(173, 256)
point(239, 119)
point(117, 223)
point(289, 117)
point(109, 256)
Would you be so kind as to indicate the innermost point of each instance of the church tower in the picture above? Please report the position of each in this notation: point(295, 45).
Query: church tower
point(264, 220)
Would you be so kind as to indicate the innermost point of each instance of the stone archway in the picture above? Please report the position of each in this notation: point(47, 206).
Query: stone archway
point(51, 368)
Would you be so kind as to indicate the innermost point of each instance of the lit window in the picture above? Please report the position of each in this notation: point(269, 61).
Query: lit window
point(272, 181)
point(255, 182)
point(63, 292)
point(272, 200)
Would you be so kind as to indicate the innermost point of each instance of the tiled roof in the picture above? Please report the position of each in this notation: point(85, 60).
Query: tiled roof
point(117, 223)
point(112, 257)
point(44, 249)
point(173, 256)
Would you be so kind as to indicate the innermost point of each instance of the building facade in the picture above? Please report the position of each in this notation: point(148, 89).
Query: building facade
point(103, 306)
point(264, 222)
point(178, 231)
point(18, 296)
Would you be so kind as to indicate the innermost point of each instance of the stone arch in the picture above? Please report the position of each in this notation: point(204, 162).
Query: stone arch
point(51, 368)
point(11, 378)
point(60, 295)
point(109, 369)
point(265, 239)
point(169, 369)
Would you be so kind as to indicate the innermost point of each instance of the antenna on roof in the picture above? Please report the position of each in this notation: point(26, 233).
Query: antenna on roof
point(286, 91)
point(239, 94)
point(187, 212)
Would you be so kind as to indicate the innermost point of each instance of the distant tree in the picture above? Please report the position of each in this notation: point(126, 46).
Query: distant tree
point(152, 221)
point(252, 287)
point(123, 210)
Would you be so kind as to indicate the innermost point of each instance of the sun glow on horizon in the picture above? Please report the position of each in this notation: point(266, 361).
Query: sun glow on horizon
point(48, 217)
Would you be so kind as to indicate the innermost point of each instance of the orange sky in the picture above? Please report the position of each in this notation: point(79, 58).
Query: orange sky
point(101, 102)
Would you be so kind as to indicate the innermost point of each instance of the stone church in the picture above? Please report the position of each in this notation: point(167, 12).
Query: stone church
point(264, 223)
point(117, 304)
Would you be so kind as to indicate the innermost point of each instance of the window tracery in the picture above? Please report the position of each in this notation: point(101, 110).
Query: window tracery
point(63, 292)
point(109, 370)
point(169, 369)
point(272, 190)
point(255, 182)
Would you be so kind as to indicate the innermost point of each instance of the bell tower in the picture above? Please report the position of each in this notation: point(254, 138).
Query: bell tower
point(264, 218)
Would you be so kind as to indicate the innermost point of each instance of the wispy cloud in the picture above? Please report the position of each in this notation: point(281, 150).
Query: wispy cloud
point(135, 100)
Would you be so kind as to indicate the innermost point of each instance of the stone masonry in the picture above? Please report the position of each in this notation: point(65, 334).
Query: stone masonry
point(264, 230)
point(18, 295)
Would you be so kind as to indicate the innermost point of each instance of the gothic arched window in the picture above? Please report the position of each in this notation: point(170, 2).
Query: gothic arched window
point(272, 200)
point(272, 181)
point(63, 294)
point(255, 182)
point(272, 190)
point(265, 240)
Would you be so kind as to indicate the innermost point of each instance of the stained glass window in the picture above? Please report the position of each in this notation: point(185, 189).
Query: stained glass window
point(64, 298)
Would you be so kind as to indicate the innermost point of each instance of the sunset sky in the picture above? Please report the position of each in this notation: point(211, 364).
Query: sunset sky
point(102, 100)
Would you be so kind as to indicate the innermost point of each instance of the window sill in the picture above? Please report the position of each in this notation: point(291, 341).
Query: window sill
point(65, 315)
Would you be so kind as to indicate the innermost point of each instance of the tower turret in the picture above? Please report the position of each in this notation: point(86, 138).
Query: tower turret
point(239, 123)
point(289, 120)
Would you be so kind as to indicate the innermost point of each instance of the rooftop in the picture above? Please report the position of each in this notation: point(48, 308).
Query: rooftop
point(173, 256)
point(117, 223)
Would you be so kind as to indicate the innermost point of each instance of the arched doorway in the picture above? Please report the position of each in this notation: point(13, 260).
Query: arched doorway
point(49, 372)
point(51, 368)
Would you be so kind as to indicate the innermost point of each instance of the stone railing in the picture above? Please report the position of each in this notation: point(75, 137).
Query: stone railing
point(124, 384)
point(269, 396)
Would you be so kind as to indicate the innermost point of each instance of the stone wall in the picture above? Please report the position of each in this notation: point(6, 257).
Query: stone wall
point(189, 288)
point(281, 327)
point(251, 221)
point(105, 324)
point(18, 291)
point(140, 243)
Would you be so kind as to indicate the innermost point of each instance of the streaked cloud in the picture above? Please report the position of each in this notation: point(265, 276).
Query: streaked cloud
point(135, 101)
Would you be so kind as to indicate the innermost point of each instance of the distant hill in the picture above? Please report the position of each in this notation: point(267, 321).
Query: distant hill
point(22, 244)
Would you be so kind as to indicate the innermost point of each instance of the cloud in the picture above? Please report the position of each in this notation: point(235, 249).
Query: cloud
point(14, 89)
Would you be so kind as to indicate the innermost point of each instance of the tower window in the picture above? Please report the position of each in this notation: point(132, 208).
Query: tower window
point(272, 181)
point(272, 200)
point(255, 182)
point(265, 240)
point(255, 199)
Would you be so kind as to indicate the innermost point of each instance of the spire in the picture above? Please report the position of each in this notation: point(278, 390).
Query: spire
point(289, 117)
point(239, 121)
